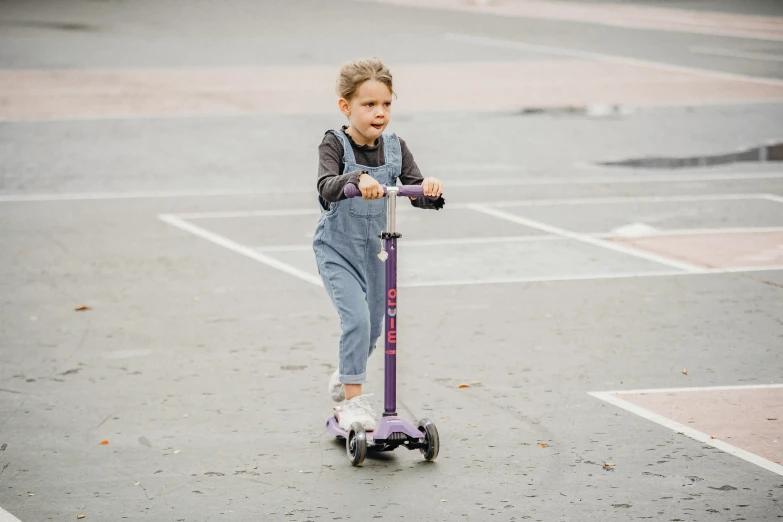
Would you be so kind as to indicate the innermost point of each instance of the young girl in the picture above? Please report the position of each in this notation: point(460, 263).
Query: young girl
point(346, 241)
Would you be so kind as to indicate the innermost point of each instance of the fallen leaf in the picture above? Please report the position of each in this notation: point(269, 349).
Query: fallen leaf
point(713, 437)
point(608, 464)
point(31, 494)
point(176, 451)
point(444, 500)
point(680, 433)
point(473, 425)
point(81, 516)
point(104, 442)
point(543, 445)
point(476, 383)
point(685, 372)
point(463, 385)
point(136, 484)
point(3, 447)
point(82, 309)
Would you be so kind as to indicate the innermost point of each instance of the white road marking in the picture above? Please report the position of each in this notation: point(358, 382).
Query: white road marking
point(734, 53)
point(239, 249)
point(590, 240)
point(5, 516)
point(657, 232)
point(588, 55)
point(478, 182)
point(612, 398)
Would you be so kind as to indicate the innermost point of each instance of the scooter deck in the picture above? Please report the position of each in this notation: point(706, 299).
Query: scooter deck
point(391, 430)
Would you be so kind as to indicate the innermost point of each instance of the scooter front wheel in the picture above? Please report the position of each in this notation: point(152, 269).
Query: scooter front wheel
point(356, 444)
point(431, 438)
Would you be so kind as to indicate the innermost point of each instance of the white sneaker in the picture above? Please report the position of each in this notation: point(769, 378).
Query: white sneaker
point(336, 388)
point(357, 409)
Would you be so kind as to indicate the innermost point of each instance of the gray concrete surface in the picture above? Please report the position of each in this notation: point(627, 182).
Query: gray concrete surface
point(206, 371)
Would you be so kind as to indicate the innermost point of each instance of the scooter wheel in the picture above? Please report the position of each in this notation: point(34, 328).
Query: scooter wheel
point(431, 438)
point(356, 444)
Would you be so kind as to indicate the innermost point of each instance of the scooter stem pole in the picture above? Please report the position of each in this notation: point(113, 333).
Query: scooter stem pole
point(390, 361)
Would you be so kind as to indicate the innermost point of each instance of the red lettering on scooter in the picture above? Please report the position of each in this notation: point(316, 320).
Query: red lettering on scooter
point(391, 336)
point(391, 352)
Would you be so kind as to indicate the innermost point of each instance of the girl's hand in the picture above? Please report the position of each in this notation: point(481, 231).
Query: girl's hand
point(433, 187)
point(369, 187)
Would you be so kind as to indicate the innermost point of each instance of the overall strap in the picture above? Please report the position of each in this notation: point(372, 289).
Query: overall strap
point(392, 152)
point(348, 156)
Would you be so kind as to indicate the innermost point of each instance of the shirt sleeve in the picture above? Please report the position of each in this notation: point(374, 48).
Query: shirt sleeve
point(411, 175)
point(331, 180)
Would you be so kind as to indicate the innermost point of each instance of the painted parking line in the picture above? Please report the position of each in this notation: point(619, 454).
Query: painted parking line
point(686, 399)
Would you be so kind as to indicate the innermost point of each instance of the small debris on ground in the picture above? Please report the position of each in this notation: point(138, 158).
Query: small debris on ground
point(464, 385)
point(543, 445)
point(104, 442)
point(685, 372)
point(82, 308)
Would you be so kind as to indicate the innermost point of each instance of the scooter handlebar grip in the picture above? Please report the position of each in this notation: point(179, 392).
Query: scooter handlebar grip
point(351, 191)
point(407, 191)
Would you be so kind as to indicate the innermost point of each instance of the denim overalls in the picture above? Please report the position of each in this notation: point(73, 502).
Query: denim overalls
point(346, 246)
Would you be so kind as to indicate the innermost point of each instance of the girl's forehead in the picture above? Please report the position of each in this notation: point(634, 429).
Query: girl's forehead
point(373, 89)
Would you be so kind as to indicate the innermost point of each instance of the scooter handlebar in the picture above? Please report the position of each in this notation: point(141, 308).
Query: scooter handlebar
point(408, 191)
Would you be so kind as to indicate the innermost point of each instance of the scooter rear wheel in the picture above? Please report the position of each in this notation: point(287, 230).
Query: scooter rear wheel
point(427, 427)
point(356, 444)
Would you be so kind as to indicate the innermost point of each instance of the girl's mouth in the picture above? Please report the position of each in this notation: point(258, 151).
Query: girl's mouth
point(377, 126)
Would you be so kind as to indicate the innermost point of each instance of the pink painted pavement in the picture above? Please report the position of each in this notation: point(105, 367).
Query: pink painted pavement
point(716, 250)
point(95, 94)
point(618, 15)
point(750, 419)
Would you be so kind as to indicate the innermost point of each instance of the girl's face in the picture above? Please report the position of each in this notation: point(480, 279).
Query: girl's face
point(368, 111)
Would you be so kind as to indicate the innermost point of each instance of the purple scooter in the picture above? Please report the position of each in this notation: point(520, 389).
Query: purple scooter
point(392, 430)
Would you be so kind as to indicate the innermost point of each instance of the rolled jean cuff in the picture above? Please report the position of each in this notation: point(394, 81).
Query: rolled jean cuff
point(353, 379)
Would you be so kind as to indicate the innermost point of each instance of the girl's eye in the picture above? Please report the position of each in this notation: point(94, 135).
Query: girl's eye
point(388, 104)
point(370, 104)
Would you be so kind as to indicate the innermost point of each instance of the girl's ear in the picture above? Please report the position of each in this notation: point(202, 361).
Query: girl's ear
point(344, 106)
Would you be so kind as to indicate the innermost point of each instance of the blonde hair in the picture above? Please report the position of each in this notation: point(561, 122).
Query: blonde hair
point(354, 74)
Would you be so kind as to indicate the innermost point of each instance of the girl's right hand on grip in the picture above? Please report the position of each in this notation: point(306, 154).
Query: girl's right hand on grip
point(369, 187)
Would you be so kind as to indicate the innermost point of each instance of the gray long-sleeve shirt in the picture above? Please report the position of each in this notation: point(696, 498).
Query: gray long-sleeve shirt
point(332, 180)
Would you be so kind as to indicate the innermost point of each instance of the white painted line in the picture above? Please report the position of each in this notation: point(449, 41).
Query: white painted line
point(90, 196)
point(277, 212)
point(696, 389)
point(240, 249)
point(587, 239)
point(622, 199)
point(733, 53)
point(5, 516)
point(543, 279)
point(690, 432)
point(687, 232)
point(741, 269)
point(588, 55)
point(772, 197)
point(622, 179)
point(494, 204)
point(425, 242)
point(479, 182)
